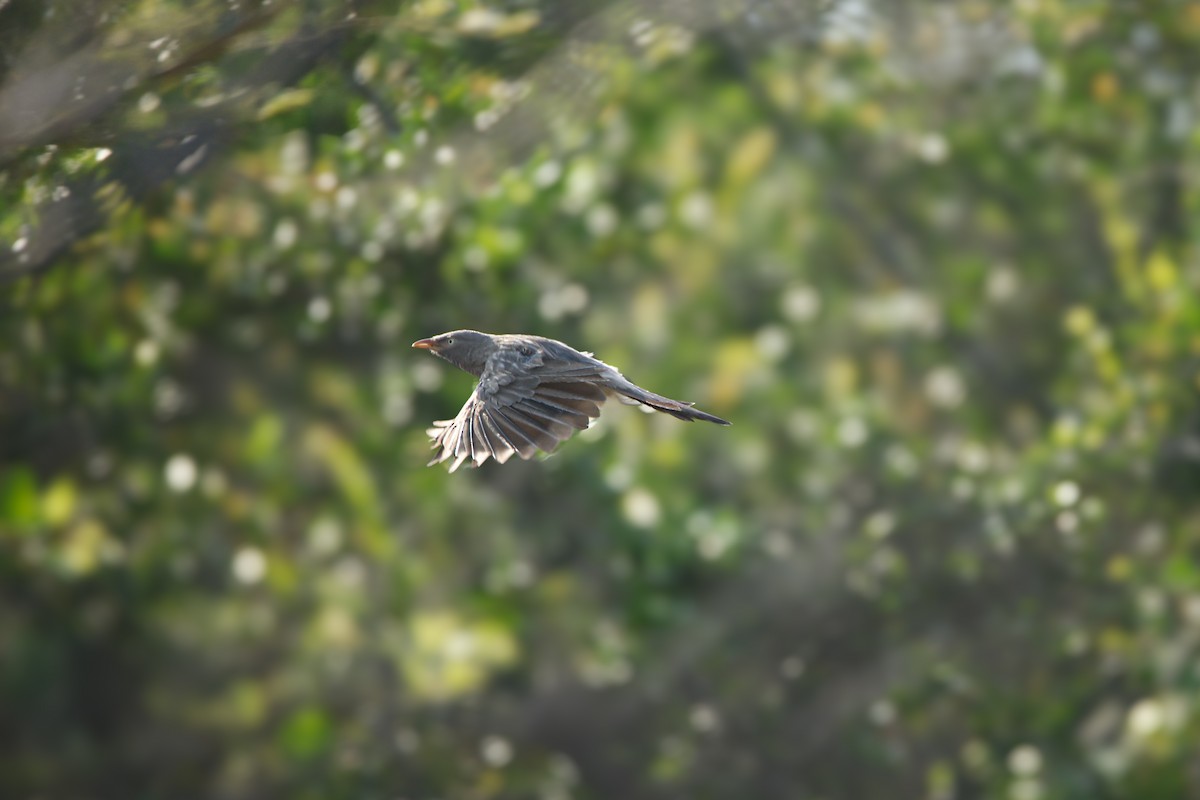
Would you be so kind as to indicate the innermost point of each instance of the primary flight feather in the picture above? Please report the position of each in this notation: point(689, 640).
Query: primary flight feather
point(533, 393)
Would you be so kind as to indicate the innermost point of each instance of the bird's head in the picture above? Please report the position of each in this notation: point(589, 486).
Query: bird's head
point(467, 350)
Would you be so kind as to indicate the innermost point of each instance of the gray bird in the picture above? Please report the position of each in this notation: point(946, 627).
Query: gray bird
point(533, 393)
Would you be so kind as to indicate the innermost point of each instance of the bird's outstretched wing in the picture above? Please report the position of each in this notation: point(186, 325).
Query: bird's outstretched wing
point(528, 399)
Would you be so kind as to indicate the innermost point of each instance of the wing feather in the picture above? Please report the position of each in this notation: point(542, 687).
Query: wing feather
point(526, 448)
point(530, 428)
point(500, 448)
point(462, 443)
point(479, 447)
point(573, 391)
point(545, 419)
point(548, 410)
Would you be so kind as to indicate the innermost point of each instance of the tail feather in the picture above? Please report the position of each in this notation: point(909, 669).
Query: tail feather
point(676, 408)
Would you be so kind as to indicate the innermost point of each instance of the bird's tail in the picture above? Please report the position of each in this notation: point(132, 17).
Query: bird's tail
point(675, 408)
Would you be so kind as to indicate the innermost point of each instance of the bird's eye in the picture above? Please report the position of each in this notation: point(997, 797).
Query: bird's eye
point(449, 340)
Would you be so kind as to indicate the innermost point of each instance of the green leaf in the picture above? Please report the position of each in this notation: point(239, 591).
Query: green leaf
point(306, 733)
point(284, 102)
point(19, 497)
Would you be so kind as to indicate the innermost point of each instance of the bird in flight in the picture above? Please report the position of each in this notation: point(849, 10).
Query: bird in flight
point(533, 393)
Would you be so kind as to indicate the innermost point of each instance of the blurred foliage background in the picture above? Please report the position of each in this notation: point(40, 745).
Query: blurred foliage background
point(938, 262)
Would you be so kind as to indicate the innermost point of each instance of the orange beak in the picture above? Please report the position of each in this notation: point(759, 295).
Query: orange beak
point(423, 344)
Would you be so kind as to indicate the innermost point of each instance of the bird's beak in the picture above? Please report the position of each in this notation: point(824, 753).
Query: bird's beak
point(423, 344)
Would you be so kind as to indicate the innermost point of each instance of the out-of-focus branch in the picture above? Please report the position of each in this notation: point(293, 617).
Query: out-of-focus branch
point(141, 162)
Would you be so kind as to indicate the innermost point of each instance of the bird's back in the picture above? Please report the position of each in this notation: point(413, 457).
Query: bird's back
point(552, 348)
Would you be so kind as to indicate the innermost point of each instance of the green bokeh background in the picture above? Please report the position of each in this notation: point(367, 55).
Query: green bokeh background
point(937, 261)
